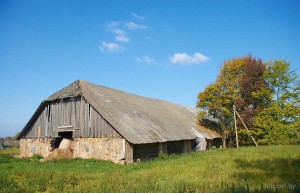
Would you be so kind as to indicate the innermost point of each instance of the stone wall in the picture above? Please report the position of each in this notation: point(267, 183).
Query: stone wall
point(114, 149)
point(28, 147)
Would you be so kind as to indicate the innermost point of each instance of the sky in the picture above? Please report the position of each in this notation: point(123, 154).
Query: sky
point(169, 50)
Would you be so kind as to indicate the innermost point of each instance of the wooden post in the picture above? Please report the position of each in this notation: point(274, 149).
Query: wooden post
point(246, 128)
point(235, 127)
point(39, 132)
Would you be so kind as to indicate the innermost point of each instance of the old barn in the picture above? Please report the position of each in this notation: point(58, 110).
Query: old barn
point(110, 124)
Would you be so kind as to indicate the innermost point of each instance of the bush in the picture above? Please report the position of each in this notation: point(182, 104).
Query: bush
point(163, 155)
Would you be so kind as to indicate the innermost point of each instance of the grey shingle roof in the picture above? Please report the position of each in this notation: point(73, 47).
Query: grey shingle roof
point(138, 119)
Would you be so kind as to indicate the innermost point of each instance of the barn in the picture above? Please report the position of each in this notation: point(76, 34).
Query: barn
point(109, 124)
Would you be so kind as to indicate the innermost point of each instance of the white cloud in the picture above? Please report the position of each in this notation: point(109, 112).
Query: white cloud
point(121, 37)
point(118, 31)
point(184, 59)
point(113, 24)
point(137, 16)
point(145, 59)
point(111, 47)
point(134, 26)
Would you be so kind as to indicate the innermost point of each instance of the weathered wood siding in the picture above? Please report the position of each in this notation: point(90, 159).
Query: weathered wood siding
point(75, 114)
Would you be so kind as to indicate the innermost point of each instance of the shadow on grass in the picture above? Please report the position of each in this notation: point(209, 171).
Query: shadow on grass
point(276, 174)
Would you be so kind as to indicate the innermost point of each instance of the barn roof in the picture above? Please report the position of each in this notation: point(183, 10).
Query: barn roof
point(138, 119)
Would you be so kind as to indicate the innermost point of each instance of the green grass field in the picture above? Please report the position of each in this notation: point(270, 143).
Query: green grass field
point(247, 169)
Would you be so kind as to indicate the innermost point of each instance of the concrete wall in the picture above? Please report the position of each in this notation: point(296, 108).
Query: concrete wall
point(114, 149)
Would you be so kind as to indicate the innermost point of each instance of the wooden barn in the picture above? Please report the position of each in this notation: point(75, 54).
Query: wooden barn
point(109, 124)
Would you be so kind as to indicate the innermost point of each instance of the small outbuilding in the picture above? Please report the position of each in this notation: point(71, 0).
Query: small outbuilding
point(109, 124)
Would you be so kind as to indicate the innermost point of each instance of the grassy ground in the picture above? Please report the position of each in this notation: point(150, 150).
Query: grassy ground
point(248, 169)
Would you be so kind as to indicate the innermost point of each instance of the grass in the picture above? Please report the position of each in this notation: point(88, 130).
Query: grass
point(247, 169)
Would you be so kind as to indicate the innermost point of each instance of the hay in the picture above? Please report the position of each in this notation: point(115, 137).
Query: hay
point(65, 151)
point(60, 154)
point(65, 144)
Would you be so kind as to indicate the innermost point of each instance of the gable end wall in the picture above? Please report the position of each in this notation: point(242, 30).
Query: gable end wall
point(78, 113)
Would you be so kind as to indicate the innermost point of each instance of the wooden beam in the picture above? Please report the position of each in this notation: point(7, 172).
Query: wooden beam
point(39, 132)
point(235, 127)
point(246, 128)
point(63, 127)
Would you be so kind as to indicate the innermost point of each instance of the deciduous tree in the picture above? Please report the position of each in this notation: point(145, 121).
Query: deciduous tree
point(266, 95)
point(279, 123)
point(218, 98)
point(254, 96)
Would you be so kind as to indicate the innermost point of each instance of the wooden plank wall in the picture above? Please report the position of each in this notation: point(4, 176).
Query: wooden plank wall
point(86, 121)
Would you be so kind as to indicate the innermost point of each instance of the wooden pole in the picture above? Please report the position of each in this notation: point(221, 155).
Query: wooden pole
point(246, 128)
point(39, 132)
point(235, 128)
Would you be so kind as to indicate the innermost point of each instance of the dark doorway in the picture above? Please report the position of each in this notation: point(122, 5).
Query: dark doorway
point(145, 151)
point(61, 135)
point(175, 147)
point(55, 142)
point(65, 134)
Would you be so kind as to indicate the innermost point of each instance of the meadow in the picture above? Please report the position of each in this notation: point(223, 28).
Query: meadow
point(246, 169)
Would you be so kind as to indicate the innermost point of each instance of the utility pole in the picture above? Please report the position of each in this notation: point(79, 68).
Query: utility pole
point(235, 128)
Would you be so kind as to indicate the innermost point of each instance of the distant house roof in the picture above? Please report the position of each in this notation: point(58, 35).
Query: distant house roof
point(138, 119)
point(207, 126)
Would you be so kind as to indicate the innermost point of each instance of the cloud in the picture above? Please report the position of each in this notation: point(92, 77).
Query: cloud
point(145, 59)
point(118, 31)
point(121, 37)
point(111, 47)
point(137, 16)
point(113, 24)
point(184, 59)
point(134, 26)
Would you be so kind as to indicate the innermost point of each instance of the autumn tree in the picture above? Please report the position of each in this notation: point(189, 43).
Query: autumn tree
point(267, 97)
point(254, 96)
point(218, 98)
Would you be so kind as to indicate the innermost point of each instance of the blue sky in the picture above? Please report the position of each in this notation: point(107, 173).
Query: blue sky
point(170, 50)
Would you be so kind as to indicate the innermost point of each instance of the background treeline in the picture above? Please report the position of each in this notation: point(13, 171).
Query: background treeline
point(266, 95)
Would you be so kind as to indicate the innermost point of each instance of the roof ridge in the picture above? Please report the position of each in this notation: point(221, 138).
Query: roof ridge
point(72, 90)
point(138, 95)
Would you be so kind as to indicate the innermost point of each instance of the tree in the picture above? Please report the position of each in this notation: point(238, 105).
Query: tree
point(218, 98)
point(267, 97)
point(283, 81)
point(279, 123)
point(16, 135)
point(254, 96)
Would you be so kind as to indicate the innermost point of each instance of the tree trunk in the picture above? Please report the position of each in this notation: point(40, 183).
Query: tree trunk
point(224, 140)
